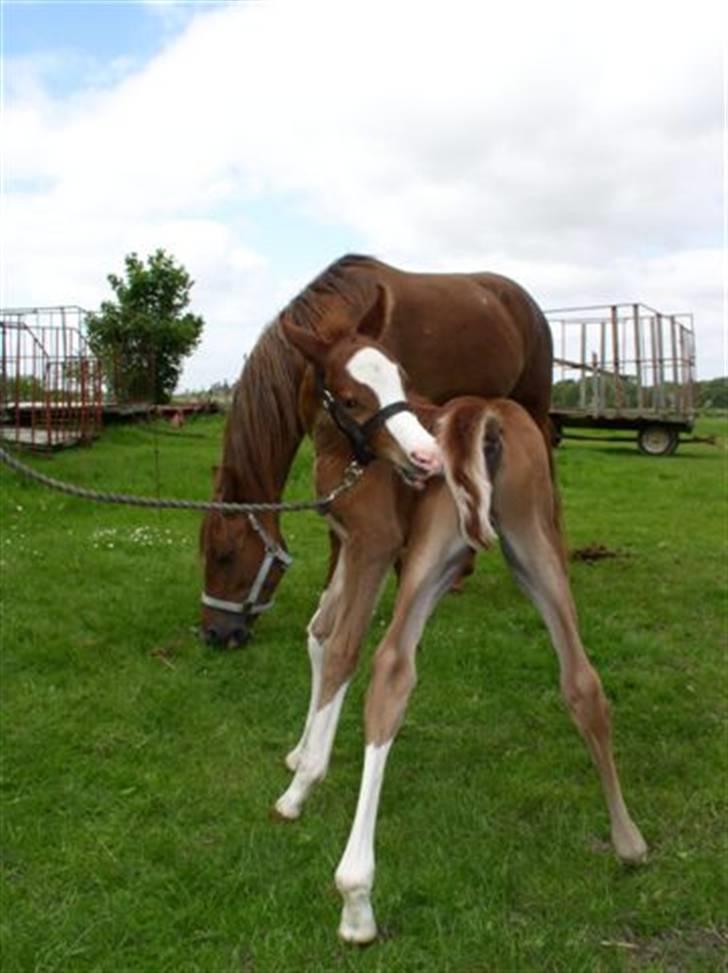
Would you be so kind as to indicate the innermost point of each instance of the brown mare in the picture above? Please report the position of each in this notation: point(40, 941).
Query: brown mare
point(455, 334)
point(497, 483)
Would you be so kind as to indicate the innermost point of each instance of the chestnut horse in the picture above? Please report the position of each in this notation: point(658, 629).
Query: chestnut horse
point(497, 483)
point(454, 334)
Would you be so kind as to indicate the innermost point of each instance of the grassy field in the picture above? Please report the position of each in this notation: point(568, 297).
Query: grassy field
point(138, 766)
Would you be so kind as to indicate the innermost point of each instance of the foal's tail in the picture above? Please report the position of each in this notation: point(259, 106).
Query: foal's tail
point(469, 435)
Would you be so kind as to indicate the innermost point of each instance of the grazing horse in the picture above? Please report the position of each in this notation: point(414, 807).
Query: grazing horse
point(497, 483)
point(454, 334)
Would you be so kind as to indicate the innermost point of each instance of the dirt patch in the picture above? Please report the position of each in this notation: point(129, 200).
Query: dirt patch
point(676, 950)
point(595, 552)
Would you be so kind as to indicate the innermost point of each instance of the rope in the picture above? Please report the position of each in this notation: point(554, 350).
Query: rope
point(351, 474)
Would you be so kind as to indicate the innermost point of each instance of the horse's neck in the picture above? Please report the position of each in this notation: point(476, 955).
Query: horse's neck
point(265, 478)
point(264, 429)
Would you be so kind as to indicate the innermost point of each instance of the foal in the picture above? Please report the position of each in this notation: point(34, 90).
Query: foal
point(496, 484)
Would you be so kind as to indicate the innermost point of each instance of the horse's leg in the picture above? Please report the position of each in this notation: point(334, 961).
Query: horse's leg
point(434, 558)
point(533, 548)
point(364, 567)
point(319, 629)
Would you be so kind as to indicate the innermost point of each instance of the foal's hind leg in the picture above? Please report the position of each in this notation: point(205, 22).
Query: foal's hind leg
point(532, 548)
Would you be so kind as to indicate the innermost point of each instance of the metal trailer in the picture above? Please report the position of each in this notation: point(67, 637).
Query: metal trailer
point(50, 383)
point(624, 367)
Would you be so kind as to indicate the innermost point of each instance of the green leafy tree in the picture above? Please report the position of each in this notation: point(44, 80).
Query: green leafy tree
point(144, 335)
point(713, 393)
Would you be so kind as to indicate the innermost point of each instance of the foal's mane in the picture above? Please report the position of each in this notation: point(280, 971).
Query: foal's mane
point(264, 427)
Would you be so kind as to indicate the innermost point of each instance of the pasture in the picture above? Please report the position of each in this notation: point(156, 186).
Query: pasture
point(139, 767)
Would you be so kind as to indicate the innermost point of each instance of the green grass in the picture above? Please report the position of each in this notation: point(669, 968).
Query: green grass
point(138, 767)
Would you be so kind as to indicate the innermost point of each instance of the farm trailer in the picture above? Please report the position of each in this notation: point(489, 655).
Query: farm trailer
point(624, 367)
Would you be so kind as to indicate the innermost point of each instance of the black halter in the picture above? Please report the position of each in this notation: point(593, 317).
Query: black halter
point(357, 433)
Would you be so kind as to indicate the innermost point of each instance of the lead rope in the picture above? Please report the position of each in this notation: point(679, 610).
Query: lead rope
point(351, 475)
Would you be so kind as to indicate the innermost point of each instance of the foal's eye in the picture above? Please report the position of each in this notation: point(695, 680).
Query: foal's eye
point(350, 402)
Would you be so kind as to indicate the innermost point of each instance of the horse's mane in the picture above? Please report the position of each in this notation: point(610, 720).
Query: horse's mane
point(308, 307)
point(264, 427)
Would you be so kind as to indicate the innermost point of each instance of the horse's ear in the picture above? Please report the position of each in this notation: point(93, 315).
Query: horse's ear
point(311, 346)
point(376, 318)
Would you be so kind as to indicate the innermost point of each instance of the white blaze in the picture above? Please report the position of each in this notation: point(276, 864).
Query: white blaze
point(370, 367)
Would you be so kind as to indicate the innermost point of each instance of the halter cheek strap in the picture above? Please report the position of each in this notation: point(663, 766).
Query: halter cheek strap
point(357, 433)
point(250, 607)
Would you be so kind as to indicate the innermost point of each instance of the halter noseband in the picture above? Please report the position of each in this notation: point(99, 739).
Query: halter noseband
point(358, 433)
point(250, 607)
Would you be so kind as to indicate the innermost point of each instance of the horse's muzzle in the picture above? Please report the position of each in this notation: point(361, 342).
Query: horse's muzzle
point(231, 634)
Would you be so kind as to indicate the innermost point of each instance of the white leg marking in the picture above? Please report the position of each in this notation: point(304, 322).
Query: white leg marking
point(316, 656)
point(314, 758)
point(316, 651)
point(355, 874)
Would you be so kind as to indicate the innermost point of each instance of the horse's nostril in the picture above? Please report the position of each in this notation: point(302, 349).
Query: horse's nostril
point(237, 638)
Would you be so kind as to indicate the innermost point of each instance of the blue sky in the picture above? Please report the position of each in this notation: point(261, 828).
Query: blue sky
point(75, 45)
point(259, 141)
point(101, 28)
point(84, 33)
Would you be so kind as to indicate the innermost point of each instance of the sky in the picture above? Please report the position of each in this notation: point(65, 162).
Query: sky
point(578, 148)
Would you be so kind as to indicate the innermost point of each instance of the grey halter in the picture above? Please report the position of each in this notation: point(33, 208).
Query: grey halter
point(273, 552)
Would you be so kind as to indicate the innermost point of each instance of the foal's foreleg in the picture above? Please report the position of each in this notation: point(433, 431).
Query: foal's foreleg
point(360, 589)
point(319, 629)
point(533, 553)
point(428, 572)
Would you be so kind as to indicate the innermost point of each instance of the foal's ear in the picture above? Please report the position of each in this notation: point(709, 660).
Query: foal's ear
point(376, 318)
point(308, 343)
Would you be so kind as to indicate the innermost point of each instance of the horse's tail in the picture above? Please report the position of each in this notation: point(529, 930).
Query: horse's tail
point(470, 436)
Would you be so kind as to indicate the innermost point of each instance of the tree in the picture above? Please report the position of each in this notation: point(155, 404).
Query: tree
point(713, 393)
point(143, 336)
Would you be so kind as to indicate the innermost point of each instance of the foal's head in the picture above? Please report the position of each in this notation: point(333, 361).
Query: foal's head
point(363, 390)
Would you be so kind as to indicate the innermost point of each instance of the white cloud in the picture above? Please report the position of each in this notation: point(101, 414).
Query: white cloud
point(575, 149)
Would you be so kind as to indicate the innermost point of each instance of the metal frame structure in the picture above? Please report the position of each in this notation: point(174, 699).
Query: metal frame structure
point(50, 383)
point(631, 366)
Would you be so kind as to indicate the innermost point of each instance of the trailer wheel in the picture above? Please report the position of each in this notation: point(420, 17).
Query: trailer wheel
point(657, 440)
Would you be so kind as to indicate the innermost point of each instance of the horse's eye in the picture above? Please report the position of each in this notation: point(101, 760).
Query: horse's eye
point(350, 402)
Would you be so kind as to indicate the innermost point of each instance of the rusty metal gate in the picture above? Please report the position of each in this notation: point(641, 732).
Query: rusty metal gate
point(50, 383)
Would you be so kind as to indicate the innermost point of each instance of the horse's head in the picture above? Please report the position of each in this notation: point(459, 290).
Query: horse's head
point(244, 558)
point(363, 389)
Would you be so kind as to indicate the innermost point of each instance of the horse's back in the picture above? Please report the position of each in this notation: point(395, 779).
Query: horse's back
point(469, 334)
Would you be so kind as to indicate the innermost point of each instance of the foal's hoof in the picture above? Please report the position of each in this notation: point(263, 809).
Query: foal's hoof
point(357, 925)
point(630, 846)
point(293, 758)
point(286, 810)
